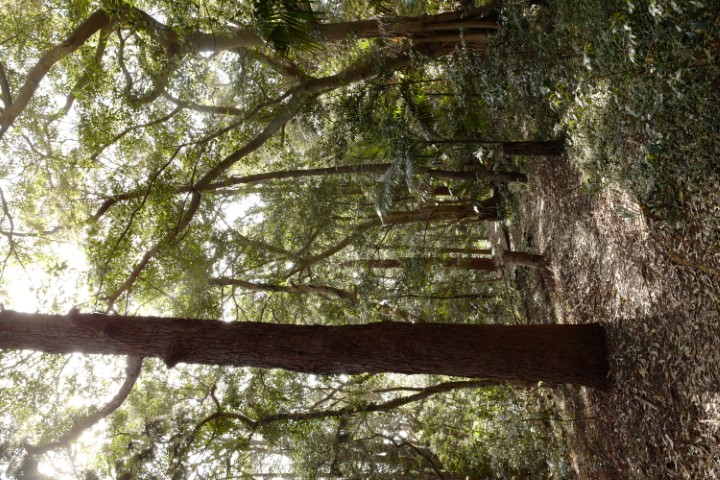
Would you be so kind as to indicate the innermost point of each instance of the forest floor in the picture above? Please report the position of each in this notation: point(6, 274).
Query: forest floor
point(655, 286)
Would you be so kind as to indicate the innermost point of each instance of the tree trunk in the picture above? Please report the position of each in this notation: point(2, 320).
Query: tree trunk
point(358, 169)
point(484, 210)
point(543, 148)
point(524, 259)
point(324, 291)
point(446, 211)
point(448, 27)
point(553, 148)
point(487, 264)
point(550, 353)
point(469, 251)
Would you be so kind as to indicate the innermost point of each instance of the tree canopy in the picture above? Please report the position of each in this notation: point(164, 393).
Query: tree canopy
point(288, 162)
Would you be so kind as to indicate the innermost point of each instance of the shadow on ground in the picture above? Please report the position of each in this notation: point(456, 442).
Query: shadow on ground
point(656, 288)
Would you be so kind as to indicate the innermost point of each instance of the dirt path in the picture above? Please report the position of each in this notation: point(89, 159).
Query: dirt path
point(656, 288)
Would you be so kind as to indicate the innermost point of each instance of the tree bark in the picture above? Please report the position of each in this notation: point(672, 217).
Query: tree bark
point(484, 210)
point(300, 95)
point(324, 291)
point(551, 353)
point(358, 169)
point(541, 148)
point(96, 21)
point(443, 27)
point(524, 259)
point(471, 263)
point(553, 148)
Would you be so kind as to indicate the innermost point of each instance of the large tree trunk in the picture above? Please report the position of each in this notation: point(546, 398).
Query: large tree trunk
point(550, 353)
point(448, 27)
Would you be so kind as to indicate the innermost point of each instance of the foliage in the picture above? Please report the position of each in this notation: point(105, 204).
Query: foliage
point(285, 23)
point(144, 148)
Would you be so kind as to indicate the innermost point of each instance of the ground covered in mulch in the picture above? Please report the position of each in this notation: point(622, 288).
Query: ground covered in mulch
point(655, 286)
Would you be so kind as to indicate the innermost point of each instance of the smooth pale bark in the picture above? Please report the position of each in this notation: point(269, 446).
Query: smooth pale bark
point(527, 353)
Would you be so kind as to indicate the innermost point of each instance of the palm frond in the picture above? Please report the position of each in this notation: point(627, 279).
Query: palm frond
point(286, 24)
point(419, 107)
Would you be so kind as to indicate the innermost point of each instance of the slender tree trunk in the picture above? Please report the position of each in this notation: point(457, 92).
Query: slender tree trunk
point(487, 264)
point(450, 211)
point(531, 260)
point(550, 353)
point(324, 291)
point(541, 148)
point(359, 169)
point(553, 148)
point(469, 251)
point(484, 210)
point(477, 174)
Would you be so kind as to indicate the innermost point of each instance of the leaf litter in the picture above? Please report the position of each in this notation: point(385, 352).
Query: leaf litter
point(655, 286)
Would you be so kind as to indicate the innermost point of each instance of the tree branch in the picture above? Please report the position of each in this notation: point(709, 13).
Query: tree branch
point(132, 373)
point(254, 424)
point(298, 98)
point(5, 88)
point(75, 40)
point(85, 78)
point(324, 291)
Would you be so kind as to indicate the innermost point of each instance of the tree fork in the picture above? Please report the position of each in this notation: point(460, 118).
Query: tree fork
point(551, 353)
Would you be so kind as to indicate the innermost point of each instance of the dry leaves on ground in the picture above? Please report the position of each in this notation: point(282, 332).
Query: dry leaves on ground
point(656, 288)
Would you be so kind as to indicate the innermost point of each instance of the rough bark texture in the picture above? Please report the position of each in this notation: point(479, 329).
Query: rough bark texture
point(551, 353)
